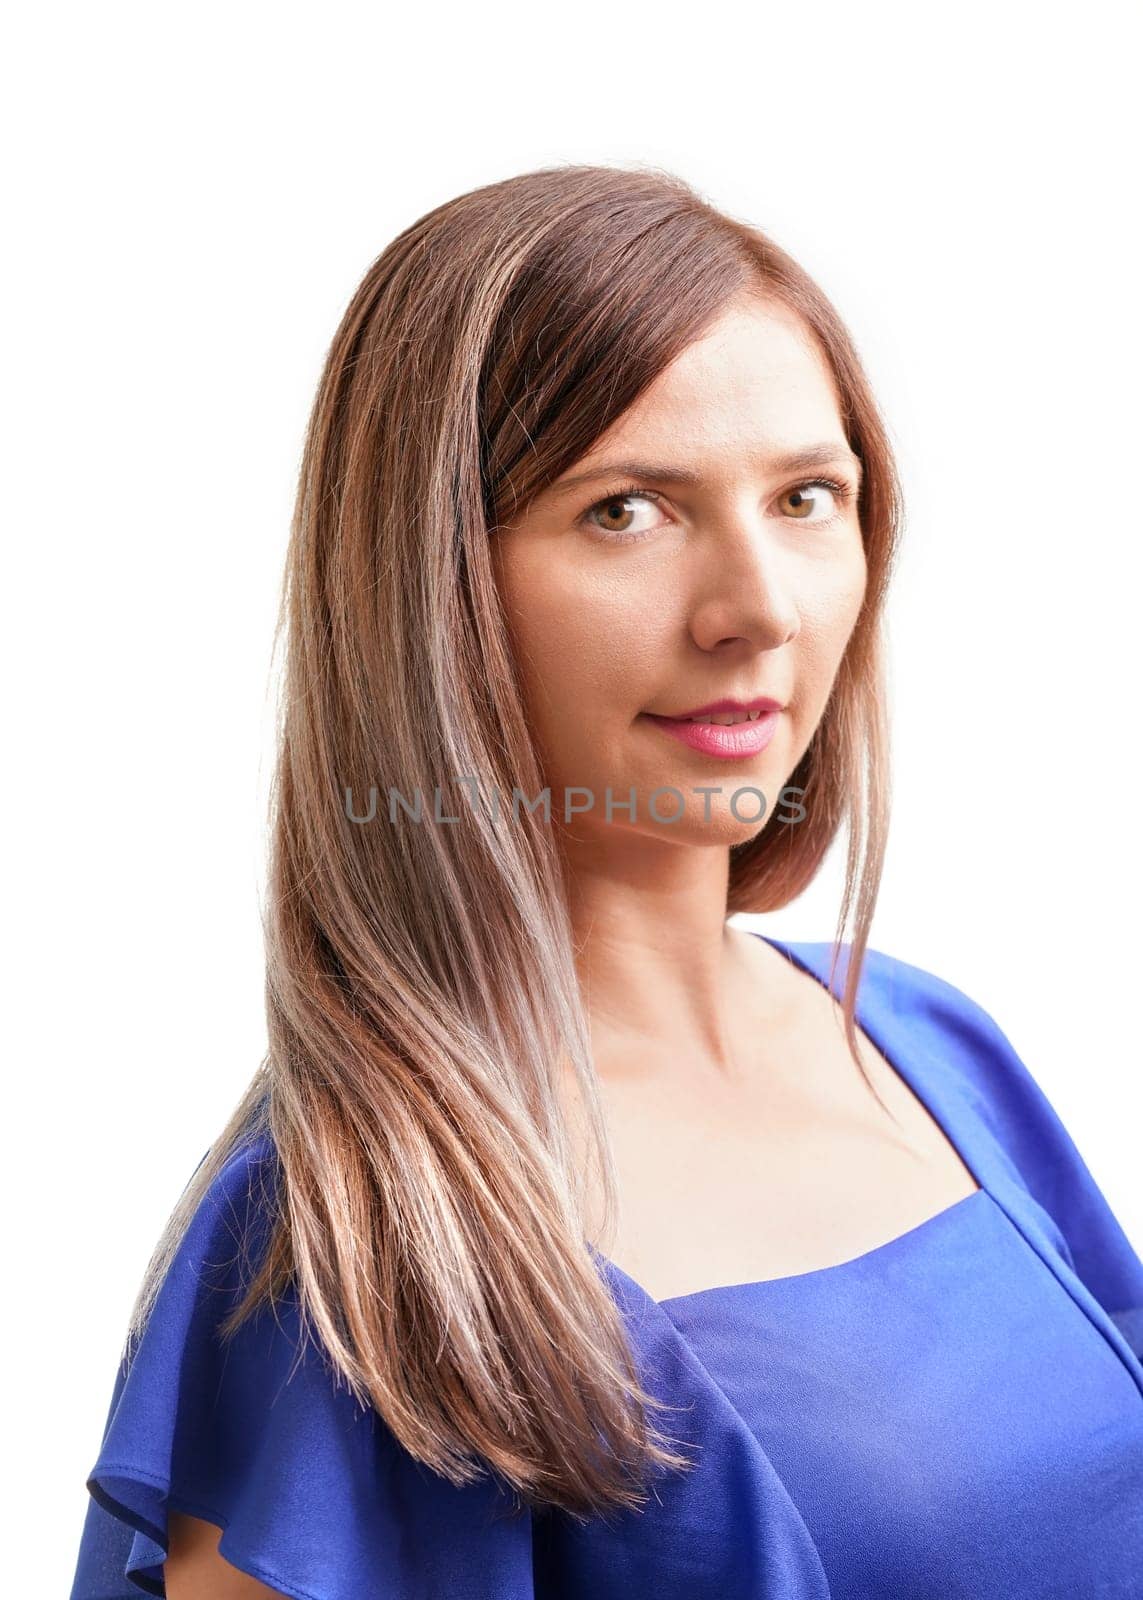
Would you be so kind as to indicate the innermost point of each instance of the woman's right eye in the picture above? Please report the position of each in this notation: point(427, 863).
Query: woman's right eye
point(612, 507)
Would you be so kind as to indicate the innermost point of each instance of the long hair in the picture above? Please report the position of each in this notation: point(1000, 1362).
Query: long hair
point(421, 993)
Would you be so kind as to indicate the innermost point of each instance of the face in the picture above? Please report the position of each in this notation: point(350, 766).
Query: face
point(728, 564)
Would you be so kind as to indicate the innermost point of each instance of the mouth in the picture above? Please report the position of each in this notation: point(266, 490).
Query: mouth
point(724, 712)
point(722, 734)
point(725, 720)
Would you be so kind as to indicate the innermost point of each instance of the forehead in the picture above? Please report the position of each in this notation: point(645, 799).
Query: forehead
point(755, 379)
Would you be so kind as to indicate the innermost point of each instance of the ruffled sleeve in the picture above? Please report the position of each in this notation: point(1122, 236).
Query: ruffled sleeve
point(314, 1495)
point(1036, 1147)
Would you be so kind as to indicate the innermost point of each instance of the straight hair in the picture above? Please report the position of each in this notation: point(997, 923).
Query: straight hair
point(421, 994)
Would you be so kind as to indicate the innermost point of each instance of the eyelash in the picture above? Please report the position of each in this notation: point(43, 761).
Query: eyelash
point(635, 491)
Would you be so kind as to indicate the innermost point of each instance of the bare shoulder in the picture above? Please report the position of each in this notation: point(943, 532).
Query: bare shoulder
point(194, 1569)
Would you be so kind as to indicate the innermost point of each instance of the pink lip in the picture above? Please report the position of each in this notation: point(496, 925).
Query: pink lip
point(718, 708)
point(737, 739)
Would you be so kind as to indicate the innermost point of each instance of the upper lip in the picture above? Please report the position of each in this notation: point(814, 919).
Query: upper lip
point(717, 708)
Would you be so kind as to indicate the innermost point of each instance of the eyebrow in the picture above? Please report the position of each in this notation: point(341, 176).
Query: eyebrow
point(811, 458)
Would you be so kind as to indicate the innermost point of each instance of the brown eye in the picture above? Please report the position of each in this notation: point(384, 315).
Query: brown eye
point(806, 499)
point(612, 513)
point(611, 517)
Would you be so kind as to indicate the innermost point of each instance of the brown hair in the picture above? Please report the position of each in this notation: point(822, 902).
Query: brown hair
point(421, 993)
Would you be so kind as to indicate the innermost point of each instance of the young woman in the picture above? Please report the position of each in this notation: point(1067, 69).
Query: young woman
point(568, 1240)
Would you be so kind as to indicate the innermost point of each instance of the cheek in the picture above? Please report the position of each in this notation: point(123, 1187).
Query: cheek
point(830, 611)
point(580, 638)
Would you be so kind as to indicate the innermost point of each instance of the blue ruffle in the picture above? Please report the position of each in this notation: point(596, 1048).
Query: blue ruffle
point(319, 1501)
point(314, 1496)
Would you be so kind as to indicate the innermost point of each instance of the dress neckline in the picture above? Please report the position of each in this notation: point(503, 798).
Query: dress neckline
point(909, 1236)
point(862, 1021)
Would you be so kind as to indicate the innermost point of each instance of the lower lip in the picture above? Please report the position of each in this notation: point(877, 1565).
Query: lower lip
point(730, 741)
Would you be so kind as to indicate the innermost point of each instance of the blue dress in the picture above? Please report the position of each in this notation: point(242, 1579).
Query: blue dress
point(958, 1412)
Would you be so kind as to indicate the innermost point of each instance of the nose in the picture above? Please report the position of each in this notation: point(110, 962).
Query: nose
point(744, 587)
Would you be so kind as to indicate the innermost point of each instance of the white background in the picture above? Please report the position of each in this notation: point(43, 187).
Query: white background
point(192, 196)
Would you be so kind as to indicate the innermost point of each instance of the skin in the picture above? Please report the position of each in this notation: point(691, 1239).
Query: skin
point(748, 584)
point(741, 1128)
point(194, 1570)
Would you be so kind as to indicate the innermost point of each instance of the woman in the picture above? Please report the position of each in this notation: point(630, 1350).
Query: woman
point(557, 1247)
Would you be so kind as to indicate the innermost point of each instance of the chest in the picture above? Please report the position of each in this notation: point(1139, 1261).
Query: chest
point(786, 1167)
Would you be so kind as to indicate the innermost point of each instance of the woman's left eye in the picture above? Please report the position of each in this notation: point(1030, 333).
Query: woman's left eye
point(805, 505)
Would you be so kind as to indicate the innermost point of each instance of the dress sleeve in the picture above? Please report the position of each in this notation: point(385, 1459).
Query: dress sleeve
point(1035, 1142)
point(313, 1494)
